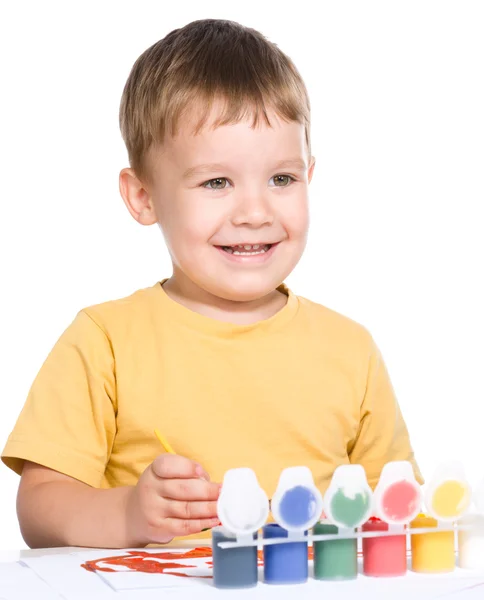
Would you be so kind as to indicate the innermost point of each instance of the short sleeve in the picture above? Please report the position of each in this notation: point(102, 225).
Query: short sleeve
point(68, 422)
point(382, 436)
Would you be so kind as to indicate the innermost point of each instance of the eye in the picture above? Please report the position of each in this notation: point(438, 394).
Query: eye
point(282, 180)
point(219, 183)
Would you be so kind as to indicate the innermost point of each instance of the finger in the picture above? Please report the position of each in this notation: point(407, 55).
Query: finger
point(189, 489)
point(181, 527)
point(189, 510)
point(172, 466)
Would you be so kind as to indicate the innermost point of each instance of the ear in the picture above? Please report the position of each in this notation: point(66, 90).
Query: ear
point(311, 168)
point(136, 197)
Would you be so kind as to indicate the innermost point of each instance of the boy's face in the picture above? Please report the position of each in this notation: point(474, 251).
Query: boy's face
point(232, 203)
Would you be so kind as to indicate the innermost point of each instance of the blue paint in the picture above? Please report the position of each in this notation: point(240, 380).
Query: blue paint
point(297, 506)
point(284, 563)
point(233, 567)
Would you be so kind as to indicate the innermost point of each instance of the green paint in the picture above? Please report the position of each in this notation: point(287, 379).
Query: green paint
point(334, 559)
point(349, 511)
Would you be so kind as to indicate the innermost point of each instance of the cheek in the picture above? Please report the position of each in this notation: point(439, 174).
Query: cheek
point(295, 217)
point(199, 227)
point(190, 223)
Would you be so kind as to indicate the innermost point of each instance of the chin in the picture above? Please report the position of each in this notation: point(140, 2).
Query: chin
point(244, 291)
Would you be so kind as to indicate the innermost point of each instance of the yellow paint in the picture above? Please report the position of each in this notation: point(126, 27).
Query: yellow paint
point(450, 499)
point(432, 552)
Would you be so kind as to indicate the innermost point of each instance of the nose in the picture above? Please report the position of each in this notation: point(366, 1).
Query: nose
point(253, 210)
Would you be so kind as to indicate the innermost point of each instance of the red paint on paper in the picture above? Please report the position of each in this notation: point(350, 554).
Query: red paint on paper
point(142, 562)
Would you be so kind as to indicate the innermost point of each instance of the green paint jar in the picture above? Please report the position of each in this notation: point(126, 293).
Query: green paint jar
point(334, 559)
point(352, 510)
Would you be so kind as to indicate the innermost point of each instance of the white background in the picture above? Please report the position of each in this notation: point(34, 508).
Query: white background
point(396, 241)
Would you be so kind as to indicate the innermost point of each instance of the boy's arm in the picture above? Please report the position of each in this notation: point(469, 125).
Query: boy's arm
point(62, 443)
point(174, 497)
point(57, 510)
point(383, 434)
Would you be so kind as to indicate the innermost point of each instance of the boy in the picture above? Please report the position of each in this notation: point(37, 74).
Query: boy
point(232, 367)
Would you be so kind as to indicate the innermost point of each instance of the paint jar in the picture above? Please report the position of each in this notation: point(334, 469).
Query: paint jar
point(348, 501)
point(284, 563)
point(432, 552)
point(233, 567)
point(297, 503)
point(384, 556)
point(243, 506)
point(398, 495)
point(448, 495)
point(478, 498)
point(334, 559)
point(471, 543)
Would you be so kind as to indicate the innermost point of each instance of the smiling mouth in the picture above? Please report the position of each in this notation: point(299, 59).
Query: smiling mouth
point(247, 249)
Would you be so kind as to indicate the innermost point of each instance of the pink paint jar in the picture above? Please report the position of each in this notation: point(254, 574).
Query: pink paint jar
point(398, 496)
point(384, 556)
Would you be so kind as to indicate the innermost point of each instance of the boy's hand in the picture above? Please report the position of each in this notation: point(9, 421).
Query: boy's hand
point(173, 497)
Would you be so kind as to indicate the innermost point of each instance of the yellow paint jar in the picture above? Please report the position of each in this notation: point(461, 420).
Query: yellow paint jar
point(450, 499)
point(432, 552)
point(448, 494)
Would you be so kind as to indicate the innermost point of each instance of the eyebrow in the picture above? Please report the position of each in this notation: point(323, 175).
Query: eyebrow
point(295, 163)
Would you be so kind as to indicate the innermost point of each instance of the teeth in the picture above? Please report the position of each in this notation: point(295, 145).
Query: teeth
point(249, 253)
point(247, 246)
point(247, 249)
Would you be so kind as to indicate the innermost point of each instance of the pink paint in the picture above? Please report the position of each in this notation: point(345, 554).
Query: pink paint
point(399, 501)
point(383, 556)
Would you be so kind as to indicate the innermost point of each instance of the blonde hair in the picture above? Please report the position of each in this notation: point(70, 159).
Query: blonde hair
point(207, 60)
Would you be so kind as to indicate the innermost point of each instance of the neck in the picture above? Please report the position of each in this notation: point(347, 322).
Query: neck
point(182, 290)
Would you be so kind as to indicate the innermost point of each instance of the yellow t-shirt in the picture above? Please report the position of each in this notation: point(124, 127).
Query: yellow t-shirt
point(305, 387)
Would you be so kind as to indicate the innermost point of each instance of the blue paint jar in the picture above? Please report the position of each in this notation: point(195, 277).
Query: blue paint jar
point(297, 506)
point(233, 567)
point(284, 563)
point(297, 503)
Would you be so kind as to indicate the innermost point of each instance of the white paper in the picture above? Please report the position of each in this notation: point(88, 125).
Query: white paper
point(64, 575)
point(18, 582)
point(10, 572)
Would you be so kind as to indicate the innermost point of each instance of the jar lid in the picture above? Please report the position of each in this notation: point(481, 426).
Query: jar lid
point(348, 502)
point(448, 494)
point(398, 495)
point(243, 506)
point(297, 504)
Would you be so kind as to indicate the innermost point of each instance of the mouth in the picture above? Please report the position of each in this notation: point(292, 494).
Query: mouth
point(247, 249)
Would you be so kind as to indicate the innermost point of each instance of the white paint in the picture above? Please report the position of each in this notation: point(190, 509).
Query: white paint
point(471, 544)
point(243, 506)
